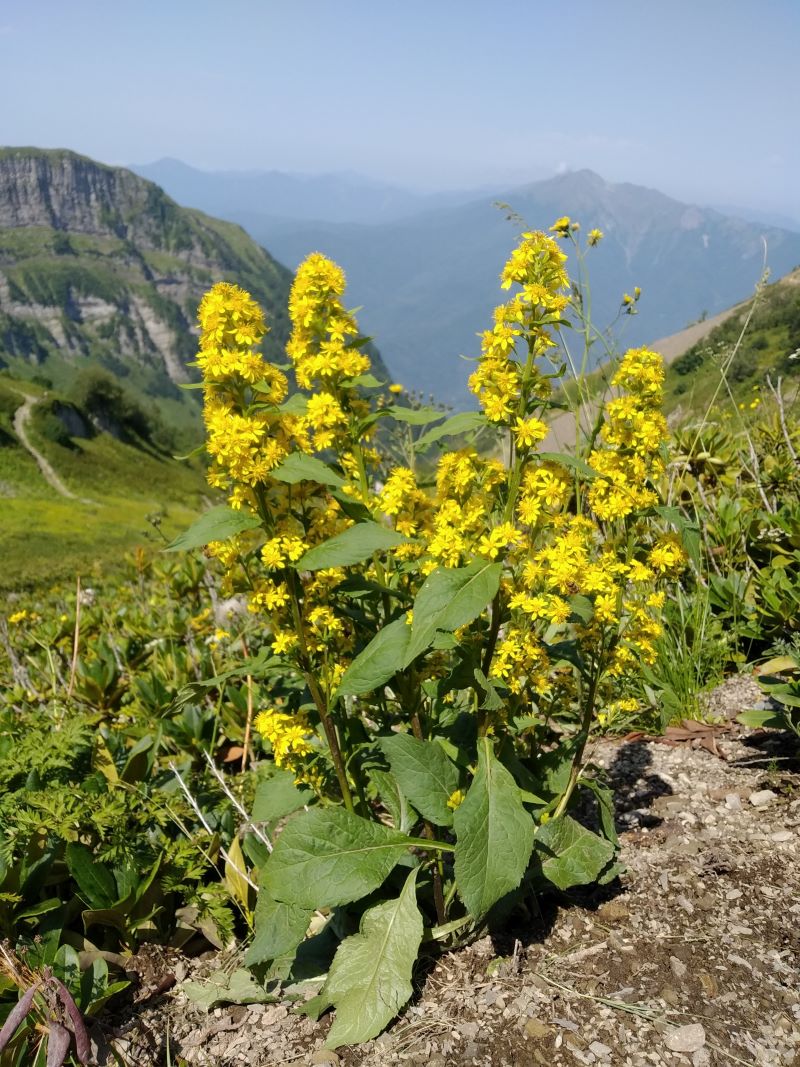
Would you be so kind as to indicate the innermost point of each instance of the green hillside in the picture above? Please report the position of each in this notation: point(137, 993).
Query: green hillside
point(47, 538)
point(768, 346)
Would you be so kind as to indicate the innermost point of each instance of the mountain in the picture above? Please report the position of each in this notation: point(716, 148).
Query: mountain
point(277, 195)
point(99, 267)
point(427, 284)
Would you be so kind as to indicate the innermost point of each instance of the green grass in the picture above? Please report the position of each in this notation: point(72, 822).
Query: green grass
point(46, 539)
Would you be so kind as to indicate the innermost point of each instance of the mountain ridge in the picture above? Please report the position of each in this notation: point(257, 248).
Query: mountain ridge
point(427, 284)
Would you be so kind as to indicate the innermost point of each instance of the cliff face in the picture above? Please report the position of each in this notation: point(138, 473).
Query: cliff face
point(99, 265)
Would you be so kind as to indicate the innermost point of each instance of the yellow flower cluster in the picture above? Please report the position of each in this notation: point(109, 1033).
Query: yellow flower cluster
point(288, 736)
point(633, 434)
point(537, 265)
point(321, 347)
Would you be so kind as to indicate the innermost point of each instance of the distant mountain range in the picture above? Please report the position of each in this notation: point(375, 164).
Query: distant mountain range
point(426, 277)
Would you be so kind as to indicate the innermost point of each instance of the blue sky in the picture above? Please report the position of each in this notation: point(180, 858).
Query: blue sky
point(699, 98)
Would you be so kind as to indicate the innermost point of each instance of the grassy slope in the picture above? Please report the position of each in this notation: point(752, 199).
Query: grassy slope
point(46, 539)
point(771, 337)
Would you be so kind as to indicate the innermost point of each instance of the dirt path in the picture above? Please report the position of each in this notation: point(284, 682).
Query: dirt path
point(21, 418)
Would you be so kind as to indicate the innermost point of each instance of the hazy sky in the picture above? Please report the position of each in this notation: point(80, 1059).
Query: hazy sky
point(699, 98)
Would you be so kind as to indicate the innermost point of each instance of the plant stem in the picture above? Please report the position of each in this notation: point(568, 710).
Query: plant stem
point(316, 694)
point(583, 738)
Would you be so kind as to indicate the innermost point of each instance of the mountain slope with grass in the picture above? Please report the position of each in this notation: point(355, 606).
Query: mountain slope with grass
point(99, 268)
point(756, 343)
point(74, 499)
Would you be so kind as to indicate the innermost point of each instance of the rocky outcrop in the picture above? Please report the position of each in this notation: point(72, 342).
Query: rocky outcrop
point(99, 265)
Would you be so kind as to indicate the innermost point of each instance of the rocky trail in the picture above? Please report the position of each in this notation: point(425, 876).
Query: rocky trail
point(689, 960)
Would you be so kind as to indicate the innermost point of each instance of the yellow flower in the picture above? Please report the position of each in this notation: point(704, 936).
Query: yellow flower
point(561, 226)
point(18, 617)
point(396, 388)
point(594, 237)
point(528, 432)
point(456, 799)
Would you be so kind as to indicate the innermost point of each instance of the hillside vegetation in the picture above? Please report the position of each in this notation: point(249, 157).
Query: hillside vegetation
point(119, 486)
point(759, 340)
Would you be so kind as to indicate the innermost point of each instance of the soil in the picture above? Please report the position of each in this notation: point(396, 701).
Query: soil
point(690, 959)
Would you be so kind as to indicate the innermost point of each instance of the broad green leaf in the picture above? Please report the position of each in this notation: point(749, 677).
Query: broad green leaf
point(217, 524)
point(494, 835)
point(327, 856)
point(450, 597)
point(570, 854)
point(298, 467)
point(375, 664)
point(424, 773)
point(352, 545)
point(402, 813)
point(95, 881)
point(414, 416)
point(279, 929)
point(461, 423)
point(370, 977)
point(278, 796)
point(297, 404)
point(757, 718)
point(220, 987)
point(582, 607)
point(366, 381)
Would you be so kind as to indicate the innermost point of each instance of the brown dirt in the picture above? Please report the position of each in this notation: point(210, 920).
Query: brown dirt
point(692, 959)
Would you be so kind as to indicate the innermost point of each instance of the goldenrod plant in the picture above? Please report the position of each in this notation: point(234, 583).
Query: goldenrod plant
point(456, 627)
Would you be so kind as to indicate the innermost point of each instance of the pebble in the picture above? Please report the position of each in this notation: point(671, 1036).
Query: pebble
point(600, 1050)
point(782, 835)
point(324, 1056)
point(762, 797)
point(733, 802)
point(538, 1029)
point(686, 1038)
point(678, 968)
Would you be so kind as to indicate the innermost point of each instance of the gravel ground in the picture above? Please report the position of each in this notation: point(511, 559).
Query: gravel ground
point(692, 959)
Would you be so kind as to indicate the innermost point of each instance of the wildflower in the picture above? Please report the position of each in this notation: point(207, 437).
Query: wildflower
point(456, 799)
point(561, 226)
point(594, 237)
point(18, 617)
point(287, 735)
point(396, 388)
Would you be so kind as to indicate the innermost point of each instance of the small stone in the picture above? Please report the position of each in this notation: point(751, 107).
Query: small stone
point(782, 835)
point(701, 1058)
point(612, 911)
point(733, 894)
point(538, 1029)
point(686, 1038)
point(324, 1055)
point(600, 1050)
point(762, 797)
point(678, 968)
point(733, 802)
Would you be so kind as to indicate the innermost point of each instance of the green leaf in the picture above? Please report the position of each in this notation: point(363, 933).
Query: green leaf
point(450, 597)
point(414, 416)
point(217, 524)
point(570, 854)
point(461, 423)
point(366, 381)
point(396, 802)
point(424, 773)
point(370, 977)
point(220, 987)
point(756, 718)
point(582, 607)
point(297, 467)
point(297, 404)
point(375, 664)
point(494, 835)
point(95, 881)
point(566, 460)
point(327, 856)
point(278, 796)
point(279, 929)
point(352, 545)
